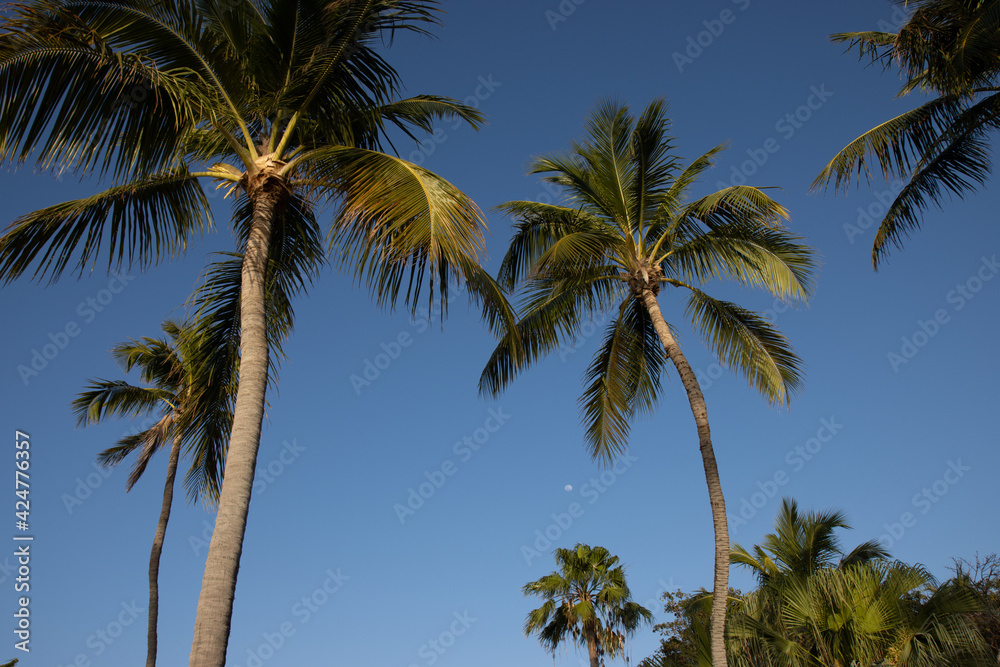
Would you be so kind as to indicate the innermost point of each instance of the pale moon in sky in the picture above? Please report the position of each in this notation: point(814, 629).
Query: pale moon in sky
point(568, 487)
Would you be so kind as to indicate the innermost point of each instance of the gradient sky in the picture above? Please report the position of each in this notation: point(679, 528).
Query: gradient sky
point(442, 586)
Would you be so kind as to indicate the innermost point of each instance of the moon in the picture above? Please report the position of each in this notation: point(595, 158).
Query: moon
point(568, 487)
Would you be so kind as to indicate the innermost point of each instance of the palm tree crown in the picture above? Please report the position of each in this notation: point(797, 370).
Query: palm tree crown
point(282, 104)
point(586, 600)
point(948, 48)
point(628, 231)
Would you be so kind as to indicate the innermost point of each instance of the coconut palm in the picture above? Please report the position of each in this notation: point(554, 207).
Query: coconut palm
point(626, 232)
point(285, 105)
point(194, 407)
point(587, 601)
point(802, 545)
point(949, 49)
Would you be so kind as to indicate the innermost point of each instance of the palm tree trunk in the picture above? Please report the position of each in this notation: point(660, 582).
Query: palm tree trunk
point(720, 590)
point(218, 587)
point(595, 660)
point(154, 555)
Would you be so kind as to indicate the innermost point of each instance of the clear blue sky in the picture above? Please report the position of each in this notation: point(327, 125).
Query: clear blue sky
point(871, 439)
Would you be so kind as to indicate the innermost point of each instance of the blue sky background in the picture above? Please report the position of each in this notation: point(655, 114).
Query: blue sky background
point(864, 436)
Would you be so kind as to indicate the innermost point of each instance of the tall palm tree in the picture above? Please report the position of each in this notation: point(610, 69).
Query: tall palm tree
point(284, 103)
point(193, 405)
point(947, 48)
point(586, 600)
point(626, 232)
point(813, 609)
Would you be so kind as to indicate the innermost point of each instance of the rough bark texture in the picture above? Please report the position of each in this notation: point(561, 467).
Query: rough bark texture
point(720, 589)
point(154, 554)
point(218, 588)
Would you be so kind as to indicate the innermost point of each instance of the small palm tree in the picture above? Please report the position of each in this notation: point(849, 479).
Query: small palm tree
point(587, 601)
point(948, 48)
point(802, 545)
point(194, 407)
point(627, 233)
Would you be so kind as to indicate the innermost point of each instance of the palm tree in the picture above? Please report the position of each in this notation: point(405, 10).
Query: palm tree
point(586, 600)
point(803, 545)
point(626, 232)
point(813, 609)
point(947, 48)
point(286, 104)
point(193, 406)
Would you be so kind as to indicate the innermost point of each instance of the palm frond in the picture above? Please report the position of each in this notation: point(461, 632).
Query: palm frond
point(746, 342)
point(138, 223)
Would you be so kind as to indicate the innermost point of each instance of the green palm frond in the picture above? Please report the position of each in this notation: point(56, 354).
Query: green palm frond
point(396, 221)
point(138, 223)
point(746, 341)
point(957, 162)
point(623, 378)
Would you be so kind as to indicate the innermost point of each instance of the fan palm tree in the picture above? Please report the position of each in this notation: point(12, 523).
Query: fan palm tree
point(947, 48)
point(194, 406)
point(813, 609)
point(284, 104)
point(627, 232)
point(586, 600)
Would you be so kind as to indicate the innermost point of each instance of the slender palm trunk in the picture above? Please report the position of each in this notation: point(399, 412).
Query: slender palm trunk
point(218, 588)
point(720, 590)
point(154, 554)
point(595, 659)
